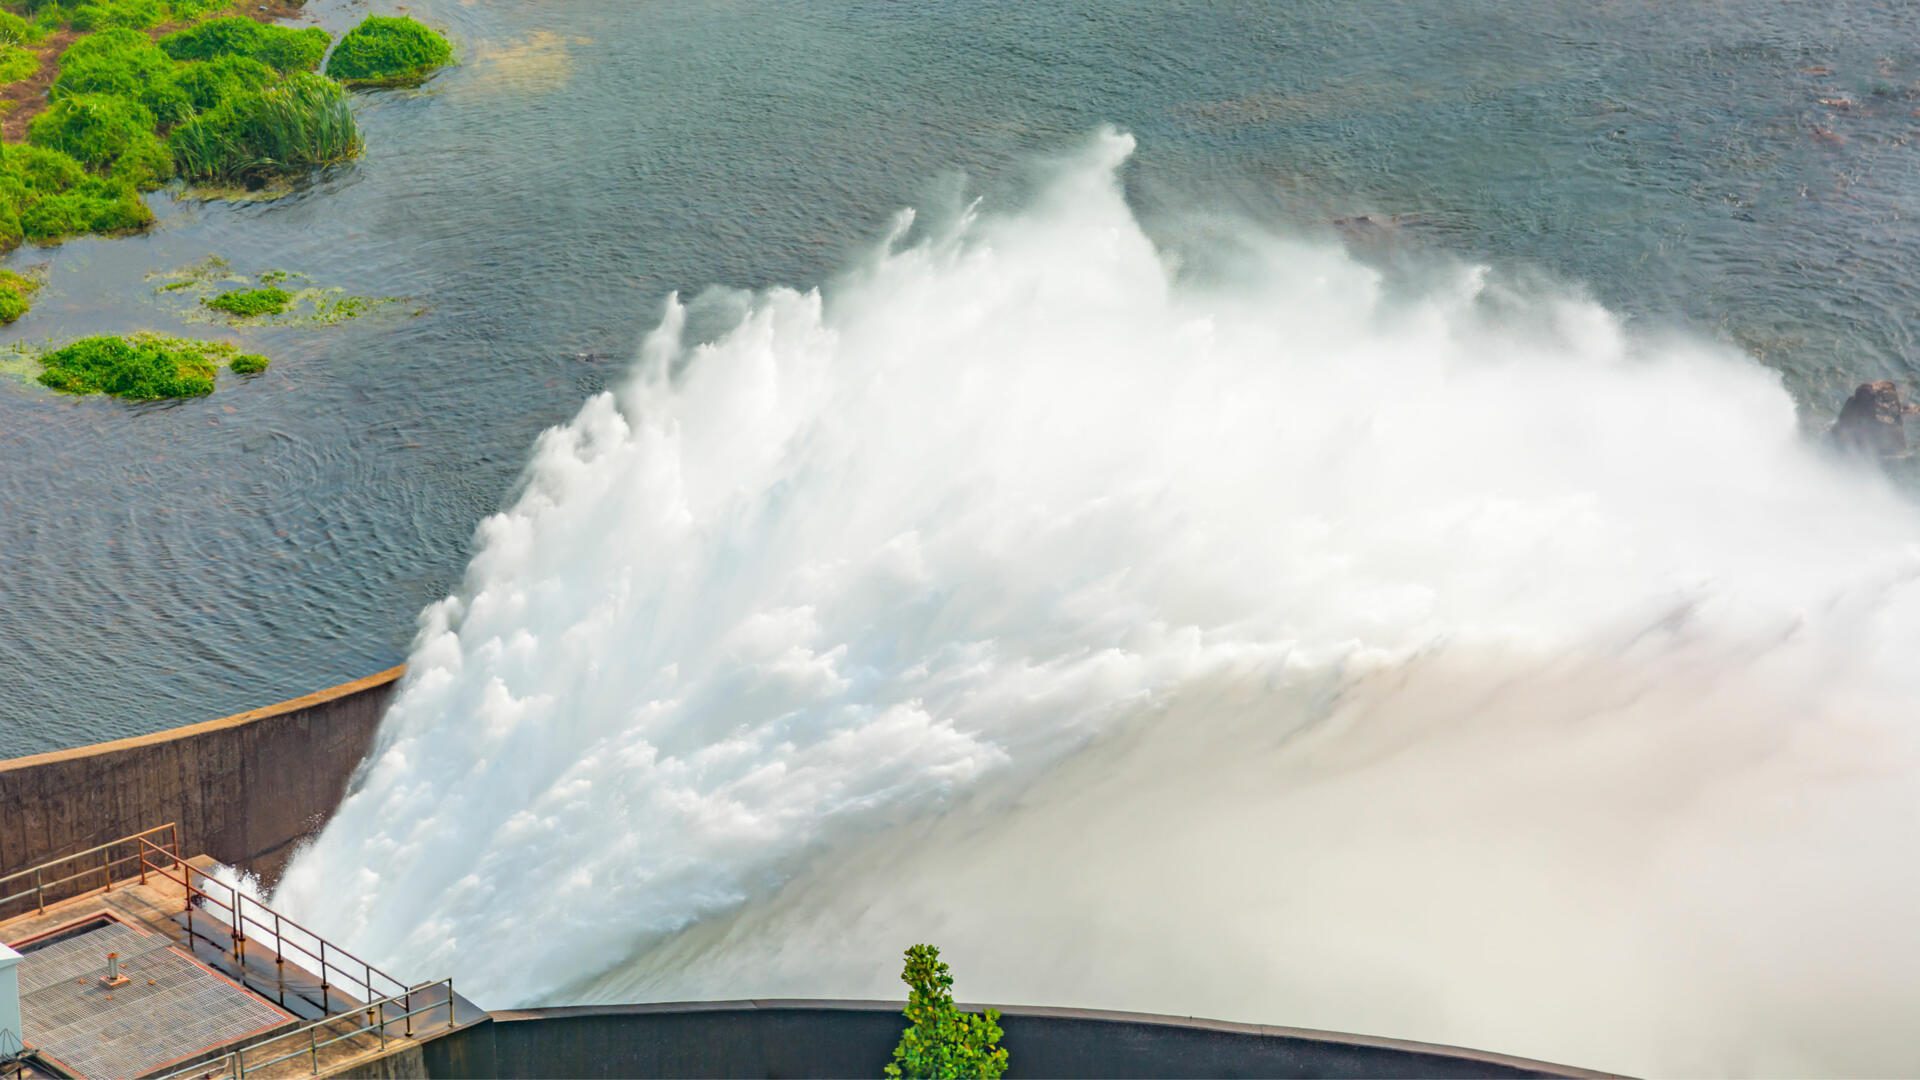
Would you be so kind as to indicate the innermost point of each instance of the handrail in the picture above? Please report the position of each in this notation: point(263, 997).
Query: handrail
point(246, 916)
point(105, 868)
point(374, 1017)
point(324, 957)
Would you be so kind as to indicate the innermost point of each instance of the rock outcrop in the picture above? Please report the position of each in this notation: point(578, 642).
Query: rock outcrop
point(1873, 421)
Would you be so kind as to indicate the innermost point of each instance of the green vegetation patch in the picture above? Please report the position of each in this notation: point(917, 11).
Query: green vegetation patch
point(16, 295)
point(145, 367)
point(250, 303)
point(941, 1041)
point(388, 51)
point(253, 137)
point(15, 30)
point(275, 297)
point(17, 62)
point(282, 48)
point(249, 364)
point(46, 195)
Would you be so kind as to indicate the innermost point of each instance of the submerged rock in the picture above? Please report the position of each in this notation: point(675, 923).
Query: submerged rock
point(1873, 421)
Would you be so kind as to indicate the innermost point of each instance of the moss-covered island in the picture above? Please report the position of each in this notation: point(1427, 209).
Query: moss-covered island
point(385, 51)
point(144, 367)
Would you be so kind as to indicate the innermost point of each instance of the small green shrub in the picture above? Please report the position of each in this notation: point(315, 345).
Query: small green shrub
point(280, 131)
point(40, 170)
point(385, 51)
point(95, 205)
point(93, 129)
point(15, 30)
point(120, 62)
point(212, 83)
point(129, 14)
point(17, 62)
point(16, 294)
point(250, 303)
point(280, 47)
point(941, 1041)
point(143, 368)
point(249, 364)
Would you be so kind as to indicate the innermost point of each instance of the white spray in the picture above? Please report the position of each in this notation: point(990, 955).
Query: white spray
point(1239, 639)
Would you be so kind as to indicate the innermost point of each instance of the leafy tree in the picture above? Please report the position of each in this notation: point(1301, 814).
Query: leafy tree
point(941, 1042)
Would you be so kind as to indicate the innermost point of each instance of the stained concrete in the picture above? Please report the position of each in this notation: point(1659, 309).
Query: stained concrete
point(244, 789)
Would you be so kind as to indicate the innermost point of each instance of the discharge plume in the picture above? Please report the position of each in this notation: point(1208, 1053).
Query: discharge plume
point(1254, 632)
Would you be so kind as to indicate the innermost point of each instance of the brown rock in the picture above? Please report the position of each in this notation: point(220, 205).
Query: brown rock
point(1873, 421)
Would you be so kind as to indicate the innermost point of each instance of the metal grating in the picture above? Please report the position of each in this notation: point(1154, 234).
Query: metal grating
point(171, 1008)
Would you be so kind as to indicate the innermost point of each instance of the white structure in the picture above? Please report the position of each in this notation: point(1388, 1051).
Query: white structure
point(12, 1035)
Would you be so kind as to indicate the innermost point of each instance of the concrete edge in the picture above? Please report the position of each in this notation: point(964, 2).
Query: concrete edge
point(1051, 1012)
point(188, 731)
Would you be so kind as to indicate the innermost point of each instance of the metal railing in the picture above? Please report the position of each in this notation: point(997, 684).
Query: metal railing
point(307, 1041)
point(247, 917)
point(44, 881)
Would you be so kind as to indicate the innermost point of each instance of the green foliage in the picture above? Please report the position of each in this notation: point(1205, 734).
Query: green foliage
point(280, 47)
point(250, 303)
point(297, 125)
point(16, 294)
point(128, 14)
point(45, 196)
point(93, 129)
point(15, 30)
point(94, 206)
point(142, 368)
point(941, 1042)
point(249, 364)
point(212, 83)
point(384, 51)
point(118, 62)
point(17, 62)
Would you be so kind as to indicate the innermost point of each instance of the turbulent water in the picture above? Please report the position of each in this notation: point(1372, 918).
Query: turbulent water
point(1224, 624)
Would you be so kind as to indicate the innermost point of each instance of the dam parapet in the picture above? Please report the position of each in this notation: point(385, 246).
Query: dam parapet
point(246, 788)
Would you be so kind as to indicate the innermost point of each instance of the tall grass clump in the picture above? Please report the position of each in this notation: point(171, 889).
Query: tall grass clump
point(279, 47)
point(16, 295)
point(125, 64)
point(45, 196)
point(15, 30)
point(142, 368)
point(107, 134)
point(299, 124)
point(388, 51)
point(17, 62)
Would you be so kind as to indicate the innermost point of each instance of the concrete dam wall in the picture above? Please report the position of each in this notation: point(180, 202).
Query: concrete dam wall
point(244, 789)
point(856, 1038)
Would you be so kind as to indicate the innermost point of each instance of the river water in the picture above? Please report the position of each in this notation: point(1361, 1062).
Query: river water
point(166, 563)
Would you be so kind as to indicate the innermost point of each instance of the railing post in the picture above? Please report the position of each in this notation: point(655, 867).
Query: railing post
point(381, 1012)
point(239, 1065)
point(408, 1002)
point(313, 1048)
point(106, 867)
point(39, 892)
point(451, 1019)
point(142, 852)
point(279, 957)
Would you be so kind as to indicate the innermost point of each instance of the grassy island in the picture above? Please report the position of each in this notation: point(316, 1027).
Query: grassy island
point(388, 52)
point(145, 367)
point(103, 100)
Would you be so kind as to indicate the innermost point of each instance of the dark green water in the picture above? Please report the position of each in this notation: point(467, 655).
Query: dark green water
point(163, 564)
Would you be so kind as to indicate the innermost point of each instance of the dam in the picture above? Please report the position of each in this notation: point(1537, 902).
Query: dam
point(123, 953)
